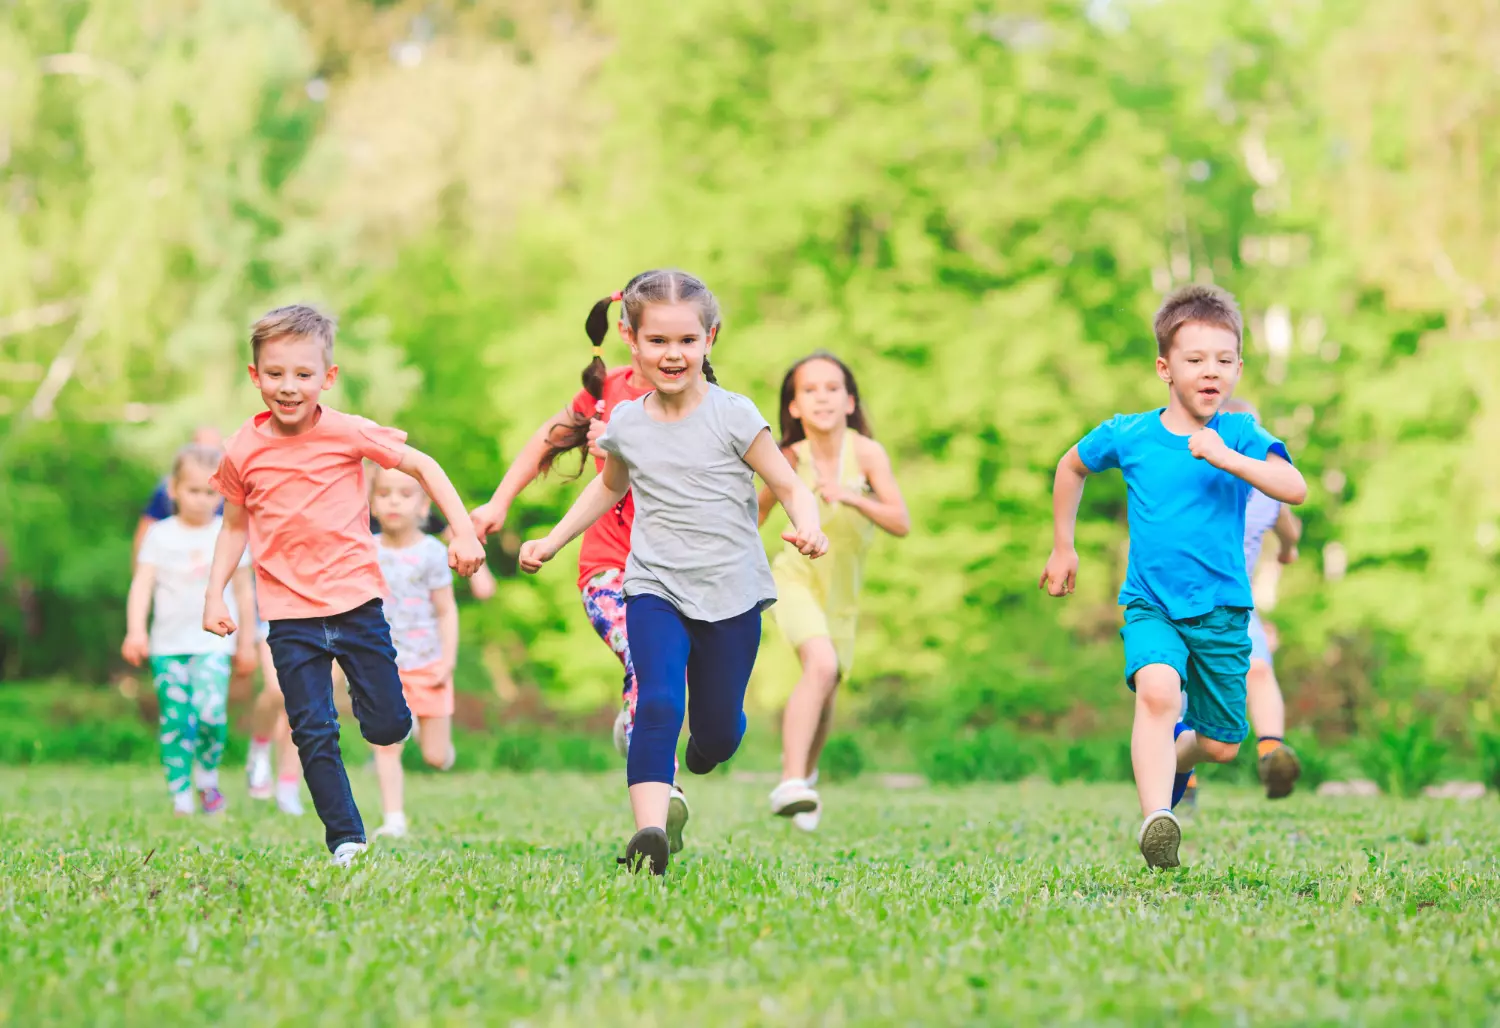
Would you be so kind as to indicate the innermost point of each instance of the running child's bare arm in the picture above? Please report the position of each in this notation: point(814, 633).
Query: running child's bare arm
point(592, 504)
point(465, 552)
point(886, 507)
point(765, 499)
point(446, 608)
point(1274, 476)
point(137, 645)
point(489, 517)
point(1288, 529)
point(767, 461)
point(246, 654)
point(230, 547)
point(1061, 572)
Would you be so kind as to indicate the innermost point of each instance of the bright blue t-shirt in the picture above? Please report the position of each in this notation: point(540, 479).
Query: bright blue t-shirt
point(1187, 517)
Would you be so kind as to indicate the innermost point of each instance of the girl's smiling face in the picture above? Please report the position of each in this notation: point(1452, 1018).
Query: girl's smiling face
point(670, 345)
point(821, 399)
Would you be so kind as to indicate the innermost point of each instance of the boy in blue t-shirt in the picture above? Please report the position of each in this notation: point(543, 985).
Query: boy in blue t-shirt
point(1188, 472)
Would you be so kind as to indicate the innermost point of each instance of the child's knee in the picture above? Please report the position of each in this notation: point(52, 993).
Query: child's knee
point(1158, 690)
point(821, 664)
point(658, 708)
point(1217, 751)
point(385, 730)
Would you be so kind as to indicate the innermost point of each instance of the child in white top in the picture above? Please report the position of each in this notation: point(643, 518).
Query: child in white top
point(190, 667)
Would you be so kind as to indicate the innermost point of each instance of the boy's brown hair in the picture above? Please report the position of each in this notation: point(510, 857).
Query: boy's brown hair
point(1208, 305)
point(295, 320)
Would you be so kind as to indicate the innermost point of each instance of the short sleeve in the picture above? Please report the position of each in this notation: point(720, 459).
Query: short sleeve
point(743, 421)
point(152, 547)
point(1100, 449)
point(226, 481)
point(435, 571)
point(159, 507)
point(385, 446)
point(1254, 441)
point(609, 442)
point(584, 404)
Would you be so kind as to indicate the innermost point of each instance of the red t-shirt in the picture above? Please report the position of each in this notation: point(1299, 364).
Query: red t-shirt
point(606, 544)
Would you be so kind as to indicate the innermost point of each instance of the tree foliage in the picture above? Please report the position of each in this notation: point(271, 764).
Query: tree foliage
point(977, 205)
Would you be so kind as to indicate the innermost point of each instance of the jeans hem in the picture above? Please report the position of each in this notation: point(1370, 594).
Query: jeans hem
point(339, 842)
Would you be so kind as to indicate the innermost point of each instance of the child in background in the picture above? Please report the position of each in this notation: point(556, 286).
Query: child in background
point(606, 543)
point(1276, 762)
point(697, 578)
point(423, 616)
point(189, 666)
point(1189, 469)
point(293, 483)
point(825, 437)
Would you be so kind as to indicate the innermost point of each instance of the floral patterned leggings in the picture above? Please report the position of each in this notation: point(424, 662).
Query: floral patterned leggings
point(604, 600)
point(193, 693)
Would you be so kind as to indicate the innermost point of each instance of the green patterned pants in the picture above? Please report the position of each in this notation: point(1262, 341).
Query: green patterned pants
point(193, 692)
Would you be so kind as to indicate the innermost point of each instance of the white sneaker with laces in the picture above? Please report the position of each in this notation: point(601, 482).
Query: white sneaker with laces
point(344, 855)
point(793, 796)
point(808, 822)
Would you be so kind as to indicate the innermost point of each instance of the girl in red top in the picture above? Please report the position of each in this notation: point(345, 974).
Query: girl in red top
point(606, 544)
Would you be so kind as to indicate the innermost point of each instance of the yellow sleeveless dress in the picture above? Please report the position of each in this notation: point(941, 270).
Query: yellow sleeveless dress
point(818, 598)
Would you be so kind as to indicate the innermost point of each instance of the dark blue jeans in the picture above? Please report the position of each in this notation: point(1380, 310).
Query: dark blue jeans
point(715, 659)
point(304, 650)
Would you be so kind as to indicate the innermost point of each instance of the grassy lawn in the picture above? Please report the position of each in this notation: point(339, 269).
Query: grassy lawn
point(979, 905)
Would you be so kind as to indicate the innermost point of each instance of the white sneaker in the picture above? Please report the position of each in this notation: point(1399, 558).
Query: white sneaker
point(622, 740)
point(808, 822)
point(289, 798)
point(346, 852)
point(793, 796)
point(394, 827)
point(1160, 835)
point(258, 773)
point(677, 817)
point(184, 804)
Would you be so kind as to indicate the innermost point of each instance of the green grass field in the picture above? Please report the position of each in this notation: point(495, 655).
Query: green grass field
point(979, 905)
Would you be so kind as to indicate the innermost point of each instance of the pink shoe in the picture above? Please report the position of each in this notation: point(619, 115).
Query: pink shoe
point(212, 800)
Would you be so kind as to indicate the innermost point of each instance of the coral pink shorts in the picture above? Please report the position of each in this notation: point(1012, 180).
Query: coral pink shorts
point(426, 694)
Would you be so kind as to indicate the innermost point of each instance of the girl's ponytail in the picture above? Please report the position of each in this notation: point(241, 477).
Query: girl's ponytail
point(575, 436)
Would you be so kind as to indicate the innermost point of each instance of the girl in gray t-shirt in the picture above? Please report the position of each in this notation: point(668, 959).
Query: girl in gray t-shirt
point(697, 578)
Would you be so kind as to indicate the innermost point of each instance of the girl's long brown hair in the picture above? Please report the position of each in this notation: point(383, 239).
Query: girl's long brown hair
point(662, 285)
point(791, 428)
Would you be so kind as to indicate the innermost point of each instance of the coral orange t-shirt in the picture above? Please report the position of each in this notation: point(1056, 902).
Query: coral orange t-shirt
point(606, 543)
point(309, 511)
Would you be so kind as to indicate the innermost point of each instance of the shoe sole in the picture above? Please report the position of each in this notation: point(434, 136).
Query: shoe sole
point(1159, 843)
point(648, 848)
point(796, 807)
point(677, 818)
point(1282, 770)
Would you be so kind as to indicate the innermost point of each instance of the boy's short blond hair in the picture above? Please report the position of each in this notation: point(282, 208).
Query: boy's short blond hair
point(1208, 305)
point(295, 320)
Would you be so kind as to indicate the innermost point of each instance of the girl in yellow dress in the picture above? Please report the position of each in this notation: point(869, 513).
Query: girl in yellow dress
point(827, 439)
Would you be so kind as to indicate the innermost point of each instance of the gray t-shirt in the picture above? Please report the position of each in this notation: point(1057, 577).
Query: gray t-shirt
point(695, 542)
point(411, 575)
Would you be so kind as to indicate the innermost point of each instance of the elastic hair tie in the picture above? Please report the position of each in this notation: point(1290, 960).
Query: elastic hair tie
point(616, 296)
point(598, 349)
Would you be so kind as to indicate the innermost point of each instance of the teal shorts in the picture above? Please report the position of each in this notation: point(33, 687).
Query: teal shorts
point(1211, 654)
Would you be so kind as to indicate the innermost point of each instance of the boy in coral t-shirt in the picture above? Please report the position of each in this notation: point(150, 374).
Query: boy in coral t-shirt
point(293, 482)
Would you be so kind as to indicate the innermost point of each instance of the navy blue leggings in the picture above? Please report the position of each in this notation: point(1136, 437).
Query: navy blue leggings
point(714, 658)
